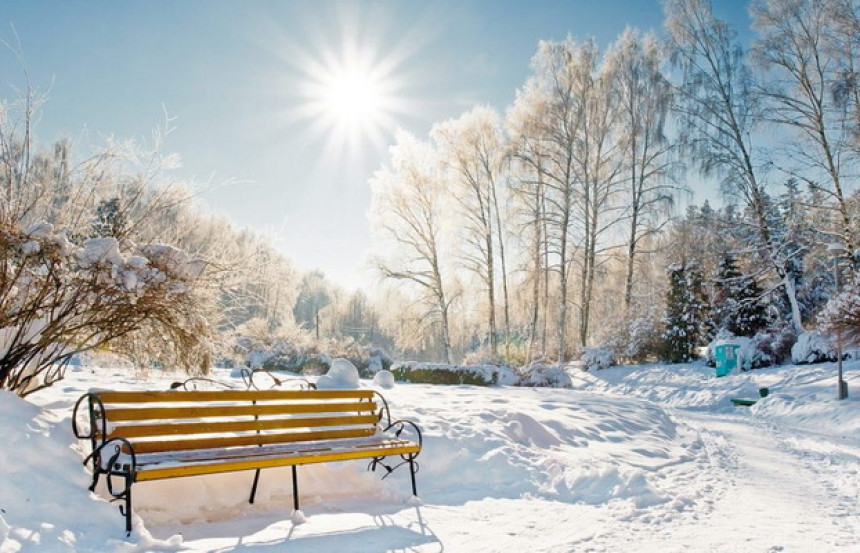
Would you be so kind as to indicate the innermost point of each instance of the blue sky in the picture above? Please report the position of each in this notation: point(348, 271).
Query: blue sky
point(235, 76)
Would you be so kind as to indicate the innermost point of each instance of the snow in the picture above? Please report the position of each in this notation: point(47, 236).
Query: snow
point(342, 375)
point(648, 459)
point(383, 379)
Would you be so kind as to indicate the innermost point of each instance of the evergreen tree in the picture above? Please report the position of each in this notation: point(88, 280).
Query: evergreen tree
point(686, 313)
point(737, 298)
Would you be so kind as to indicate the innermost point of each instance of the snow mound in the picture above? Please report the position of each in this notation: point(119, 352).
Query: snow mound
point(342, 375)
point(384, 379)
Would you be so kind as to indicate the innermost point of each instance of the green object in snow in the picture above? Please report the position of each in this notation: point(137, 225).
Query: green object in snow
point(743, 402)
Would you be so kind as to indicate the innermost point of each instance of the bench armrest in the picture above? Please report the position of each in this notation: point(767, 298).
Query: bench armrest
point(398, 426)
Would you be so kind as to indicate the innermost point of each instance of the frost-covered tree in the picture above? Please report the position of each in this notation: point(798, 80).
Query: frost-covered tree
point(530, 210)
point(686, 312)
point(799, 45)
point(721, 114)
point(313, 296)
point(645, 97)
point(737, 300)
point(407, 210)
point(472, 148)
point(841, 315)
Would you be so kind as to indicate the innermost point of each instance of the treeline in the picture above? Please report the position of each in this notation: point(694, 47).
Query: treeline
point(518, 236)
point(554, 226)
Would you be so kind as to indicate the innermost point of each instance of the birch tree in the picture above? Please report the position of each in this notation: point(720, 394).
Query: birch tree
point(645, 98)
point(407, 211)
point(799, 47)
point(472, 149)
point(597, 165)
point(559, 114)
point(529, 155)
point(721, 115)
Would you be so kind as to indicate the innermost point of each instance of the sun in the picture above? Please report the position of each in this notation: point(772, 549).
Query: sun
point(351, 100)
point(353, 96)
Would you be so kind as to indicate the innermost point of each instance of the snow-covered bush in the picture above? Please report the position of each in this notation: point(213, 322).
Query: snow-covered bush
point(813, 347)
point(476, 375)
point(544, 376)
point(773, 346)
point(57, 298)
point(842, 315)
point(596, 358)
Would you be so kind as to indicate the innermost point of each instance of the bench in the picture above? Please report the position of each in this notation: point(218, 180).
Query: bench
point(138, 436)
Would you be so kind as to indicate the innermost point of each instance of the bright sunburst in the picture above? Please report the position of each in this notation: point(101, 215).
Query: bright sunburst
point(351, 100)
point(353, 96)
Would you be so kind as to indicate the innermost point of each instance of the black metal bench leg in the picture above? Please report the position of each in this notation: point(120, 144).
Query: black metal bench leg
point(254, 486)
point(127, 505)
point(295, 489)
point(412, 471)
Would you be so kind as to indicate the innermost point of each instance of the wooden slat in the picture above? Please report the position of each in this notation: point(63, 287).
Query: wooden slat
point(194, 412)
point(221, 427)
point(299, 458)
point(110, 396)
point(248, 439)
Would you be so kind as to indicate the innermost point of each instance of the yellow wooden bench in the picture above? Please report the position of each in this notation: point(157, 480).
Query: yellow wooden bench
point(153, 435)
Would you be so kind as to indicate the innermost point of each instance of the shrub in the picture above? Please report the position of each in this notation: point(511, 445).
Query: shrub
point(58, 298)
point(813, 347)
point(540, 375)
point(596, 358)
point(476, 375)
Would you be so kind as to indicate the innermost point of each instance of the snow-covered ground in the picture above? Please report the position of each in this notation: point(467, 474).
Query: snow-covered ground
point(651, 458)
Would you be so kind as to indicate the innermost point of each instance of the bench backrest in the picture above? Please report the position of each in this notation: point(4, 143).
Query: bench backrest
point(186, 420)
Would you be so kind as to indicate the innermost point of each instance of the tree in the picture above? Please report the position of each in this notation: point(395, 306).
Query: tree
point(685, 313)
point(473, 149)
point(313, 297)
point(645, 97)
point(799, 45)
point(568, 104)
point(407, 209)
point(737, 300)
point(721, 113)
point(529, 155)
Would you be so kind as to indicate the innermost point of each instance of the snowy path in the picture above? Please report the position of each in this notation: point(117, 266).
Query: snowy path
point(780, 486)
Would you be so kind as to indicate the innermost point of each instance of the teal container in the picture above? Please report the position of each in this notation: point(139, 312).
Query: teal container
point(727, 358)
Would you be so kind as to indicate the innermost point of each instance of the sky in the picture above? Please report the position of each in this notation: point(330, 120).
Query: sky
point(281, 111)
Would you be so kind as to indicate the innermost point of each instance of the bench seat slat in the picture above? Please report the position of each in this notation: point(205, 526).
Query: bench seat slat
point(232, 410)
point(212, 427)
point(259, 458)
point(110, 396)
point(248, 440)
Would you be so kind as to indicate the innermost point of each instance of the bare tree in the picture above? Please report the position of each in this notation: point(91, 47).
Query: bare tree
point(472, 148)
point(598, 164)
point(557, 114)
point(845, 38)
point(529, 155)
point(799, 45)
point(407, 209)
point(645, 97)
point(720, 114)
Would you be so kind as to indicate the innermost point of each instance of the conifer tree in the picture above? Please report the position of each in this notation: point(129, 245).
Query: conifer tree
point(738, 305)
point(686, 313)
